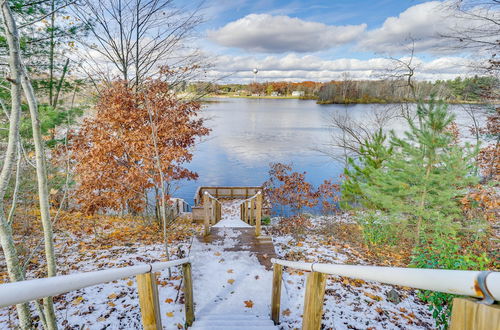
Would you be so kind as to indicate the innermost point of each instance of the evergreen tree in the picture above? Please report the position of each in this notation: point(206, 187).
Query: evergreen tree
point(374, 151)
point(424, 176)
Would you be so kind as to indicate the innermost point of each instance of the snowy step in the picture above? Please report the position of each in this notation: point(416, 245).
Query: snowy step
point(234, 327)
point(228, 317)
point(245, 323)
point(232, 322)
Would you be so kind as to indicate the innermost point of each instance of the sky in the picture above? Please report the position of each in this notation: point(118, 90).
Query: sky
point(321, 39)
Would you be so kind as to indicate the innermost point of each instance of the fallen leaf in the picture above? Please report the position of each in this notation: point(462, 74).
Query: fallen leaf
point(130, 283)
point(77, 301)
point(170, 314)
point(286, 312)
point(169, 300)
point(111, 304)
point(230, 271)
point(217, 254)
point(230, 281)
point(112, 296)
point(248, 303)
point(372, 296)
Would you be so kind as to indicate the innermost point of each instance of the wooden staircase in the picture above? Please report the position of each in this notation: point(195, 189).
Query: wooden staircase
point(232, 322)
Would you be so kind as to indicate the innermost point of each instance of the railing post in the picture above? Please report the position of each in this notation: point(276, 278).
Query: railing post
point(213, 219)
point(206, 208)
point(247, 211)
point(252, 211)
point(148, 300)
point(188, 293)
point(276, 293)
point(258, 215)
point(470, 314)
point(313, 301)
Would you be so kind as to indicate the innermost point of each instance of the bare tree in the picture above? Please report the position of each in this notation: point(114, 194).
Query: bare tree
point(6, 238)
point(133, 38)
point(20, 79)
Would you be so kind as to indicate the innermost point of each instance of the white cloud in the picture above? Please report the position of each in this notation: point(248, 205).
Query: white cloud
point(278, 34)
point(298, 68)
point(423, 26)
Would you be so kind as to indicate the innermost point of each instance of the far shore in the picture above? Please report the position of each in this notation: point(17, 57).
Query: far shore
point(375, 101)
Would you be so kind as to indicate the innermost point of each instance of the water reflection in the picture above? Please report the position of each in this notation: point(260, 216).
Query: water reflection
point(248, 134)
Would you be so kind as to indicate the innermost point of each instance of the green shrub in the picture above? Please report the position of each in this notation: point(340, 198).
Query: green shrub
point(445, 252)
point(378, 229)
point(266, 221)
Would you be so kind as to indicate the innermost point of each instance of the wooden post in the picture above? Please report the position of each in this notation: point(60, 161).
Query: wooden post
point(247, 211)
point(148, 300)
point(276, 293)
point(313, 301)
point(252, 204)
point(206, 208)
point(188, 294)
point(258, 214)
point(213, 219)
point(468, 313)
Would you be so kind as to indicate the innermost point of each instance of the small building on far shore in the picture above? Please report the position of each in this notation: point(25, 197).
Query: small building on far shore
point(298, 93)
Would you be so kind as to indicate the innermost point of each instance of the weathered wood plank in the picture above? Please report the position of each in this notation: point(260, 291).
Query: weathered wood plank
point(206, 207)
point(148, 301)
point(188, 294)
point(258, 215)
point(276, 293)
point(252, 204)
point(313, 301)
point(468, 314)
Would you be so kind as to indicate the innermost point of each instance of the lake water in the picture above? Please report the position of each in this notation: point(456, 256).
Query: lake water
point(248, 134)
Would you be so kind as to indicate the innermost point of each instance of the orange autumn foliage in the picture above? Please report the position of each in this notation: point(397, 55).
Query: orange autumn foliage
point(113, 152)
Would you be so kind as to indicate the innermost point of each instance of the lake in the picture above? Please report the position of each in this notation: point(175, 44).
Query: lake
point(248, 134)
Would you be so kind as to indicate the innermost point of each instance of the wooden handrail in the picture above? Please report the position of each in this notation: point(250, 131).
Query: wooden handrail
point(25, 291)
point(213, 211)
point(476, 284)
point(251, 217)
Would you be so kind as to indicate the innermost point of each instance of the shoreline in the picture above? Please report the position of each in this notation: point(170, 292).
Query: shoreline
point(453, 102)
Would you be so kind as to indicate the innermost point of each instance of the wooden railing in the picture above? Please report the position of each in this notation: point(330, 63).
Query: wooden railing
point(466, 313)
point(25, 291)
point(251, 211)
point(213, 211)
point(225, 192)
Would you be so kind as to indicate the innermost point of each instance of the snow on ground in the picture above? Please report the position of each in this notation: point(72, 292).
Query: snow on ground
point(229, 282)
point(349, 304)
point(114, 305)
point(231, 215)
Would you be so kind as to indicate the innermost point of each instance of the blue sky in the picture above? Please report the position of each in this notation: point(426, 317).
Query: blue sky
point(320, 39)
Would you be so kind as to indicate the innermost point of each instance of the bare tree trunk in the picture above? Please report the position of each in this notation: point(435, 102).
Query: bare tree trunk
point(154, 136)
point(6, 239)
point(41, 169)
point(43, 195)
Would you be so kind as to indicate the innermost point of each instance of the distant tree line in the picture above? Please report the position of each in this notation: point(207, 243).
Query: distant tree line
point(469, 89)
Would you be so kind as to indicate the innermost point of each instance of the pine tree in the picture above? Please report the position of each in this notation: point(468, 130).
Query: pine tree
point(426, 173)
point(374, 152)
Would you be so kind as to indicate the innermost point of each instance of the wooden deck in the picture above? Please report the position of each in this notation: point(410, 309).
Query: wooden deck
point(262, 247)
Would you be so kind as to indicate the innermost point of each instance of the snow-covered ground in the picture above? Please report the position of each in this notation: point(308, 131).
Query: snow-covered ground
point(229, 282)
point(231, 215)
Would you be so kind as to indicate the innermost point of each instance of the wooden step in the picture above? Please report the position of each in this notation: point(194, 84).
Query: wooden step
point(232, 322)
